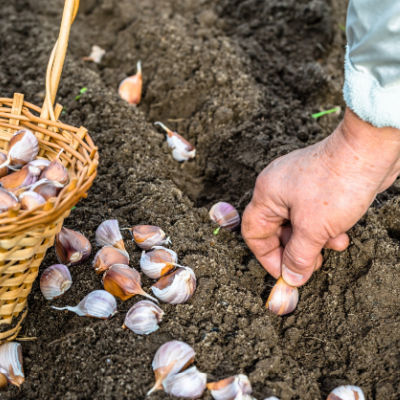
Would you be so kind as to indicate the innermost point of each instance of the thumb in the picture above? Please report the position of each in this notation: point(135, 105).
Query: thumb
point(300, 258)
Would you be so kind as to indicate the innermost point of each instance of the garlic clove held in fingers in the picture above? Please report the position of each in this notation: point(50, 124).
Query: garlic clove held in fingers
point(148, 236)
point(22, 148)
point(55, 281)
point(108, 234)
point(176, 287)
point(225, 215)
point(130, 89)
point(55, 171)
point(143, 318)
point(11, 364)
point(182, 150)
point(97, 304)
point(107, 256)
point(123, 282)
point(283, 298)
point(158, 261)
point(30, 200)
point(7, 200)
point(171, 358)
point(189, 384)
point(229, 388)
point(72, 247)
point(346, 392)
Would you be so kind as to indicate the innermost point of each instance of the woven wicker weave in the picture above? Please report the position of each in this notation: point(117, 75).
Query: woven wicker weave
point(26, 235)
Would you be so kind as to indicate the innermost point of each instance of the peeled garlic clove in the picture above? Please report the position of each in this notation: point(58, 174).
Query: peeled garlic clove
point(148, 236)
point(123, 282)
point(229, 388)
point(189, 384)
point(170, 359)
point(11, 363)
point(97, 304)
point(72, 247)
point(107, 256)
point(22, 178)
point(108, 234)
point(22, 148)
point(346, 392)
point(3, 170)
point(130, 89)
point(55, 281)
point(182, 150)
point(158, 261)
point(177, 287)
point(30, 200)
point(225, 215)
point(283, 298)
point(55, 171)
point(143, 318)
point(7, 200)
point(47, 189)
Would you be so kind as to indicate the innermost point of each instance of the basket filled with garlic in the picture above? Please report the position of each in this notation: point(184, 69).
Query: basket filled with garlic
point(46, 167)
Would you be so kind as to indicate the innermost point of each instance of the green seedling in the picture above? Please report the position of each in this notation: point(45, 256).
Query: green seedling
point(216, 231)
point(342, 27)
point(325, 112)
point(83, 90)
point(73, 208)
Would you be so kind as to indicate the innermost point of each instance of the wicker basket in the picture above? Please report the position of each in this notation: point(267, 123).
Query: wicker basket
point(26, 235)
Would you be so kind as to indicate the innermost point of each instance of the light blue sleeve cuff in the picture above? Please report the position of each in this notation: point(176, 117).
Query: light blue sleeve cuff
point(380, 106)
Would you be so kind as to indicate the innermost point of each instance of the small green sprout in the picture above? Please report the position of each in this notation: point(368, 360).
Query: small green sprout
point(73, 208)
point(83, 90)
point(342, 27)
point(325, 112)
point(216, 231)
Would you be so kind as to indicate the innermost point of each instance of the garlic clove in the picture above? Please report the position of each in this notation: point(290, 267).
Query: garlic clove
point(30, 200)
point(346, 392)
point(96, 54)
point(229, 388)
point(158, 261)
point(148, 236)
point(55, 171)
point(124, 282)
point(242, 396)
point(143, 318)
point(107, 256)
point(11, 363)
point(97, 304)
point(130, 89)
point(47, 189)
point(3, 170)
point(7, 200)
point(170, 359)
point(55, 281)
point(22, 178)
point(283, 298)
point(22, 148)
point(39, 164)
point(176, 287)
point(72, 247)
point(271, 398)
point(108, 234)
point(225, 215)
point(189, 384)
point(182, 150)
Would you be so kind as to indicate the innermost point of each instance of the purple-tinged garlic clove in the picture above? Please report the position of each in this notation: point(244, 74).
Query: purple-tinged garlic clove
point(55, 281)
point(229, 388)
point(143, 317)
point(25, 177)
point(30, 200)
point(182, 150)
point(23, 147)
point(39, 164)
point(124, 282)
point(170, 359)
point(189, 384)
point(346, 392)
point(176, 287)
point(225, 215)
point(47, 189)
point(283, 298)
point(97, 304)
point(72, 247)
point(55, 171)
point(130, 89)
point(107, 256)
point(158, 261)
point(3, 170)
point(11, 364)
point(148, 236)
point(7, 200)
point(108, 234)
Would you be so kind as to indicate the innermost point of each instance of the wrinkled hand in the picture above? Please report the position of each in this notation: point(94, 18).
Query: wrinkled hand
point(308, 199)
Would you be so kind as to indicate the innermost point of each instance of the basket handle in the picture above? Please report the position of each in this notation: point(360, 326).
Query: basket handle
point(57, 57)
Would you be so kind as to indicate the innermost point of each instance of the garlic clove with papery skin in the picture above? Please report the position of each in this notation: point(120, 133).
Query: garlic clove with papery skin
point(55, 171)
point(130, 89)
point(72, 247)
point(243, 396)
point(225, 215)
point(108, 234)
point(46, 188)
point(39, 164)
point(283, 298)
point(55, 281)
point(271, 398)
point(346, 392)
point(22, 148)
point(189, 384)
point(7, 200)
point(11, 363)
point(30, 200)
point(170, 359)
point(176, 287)
point(229, 388)
point(148, 236)
point(158, 261)
point(143, 317)
point(97, 304)
point(107, 256)
point(3, 170)
point(18, 179)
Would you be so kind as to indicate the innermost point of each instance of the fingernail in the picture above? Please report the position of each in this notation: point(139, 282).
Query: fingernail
point(291, 277)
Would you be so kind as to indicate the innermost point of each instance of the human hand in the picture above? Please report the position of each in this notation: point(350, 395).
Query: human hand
point(308, 199)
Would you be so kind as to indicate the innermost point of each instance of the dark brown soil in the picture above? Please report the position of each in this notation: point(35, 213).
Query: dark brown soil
point(239, 79)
